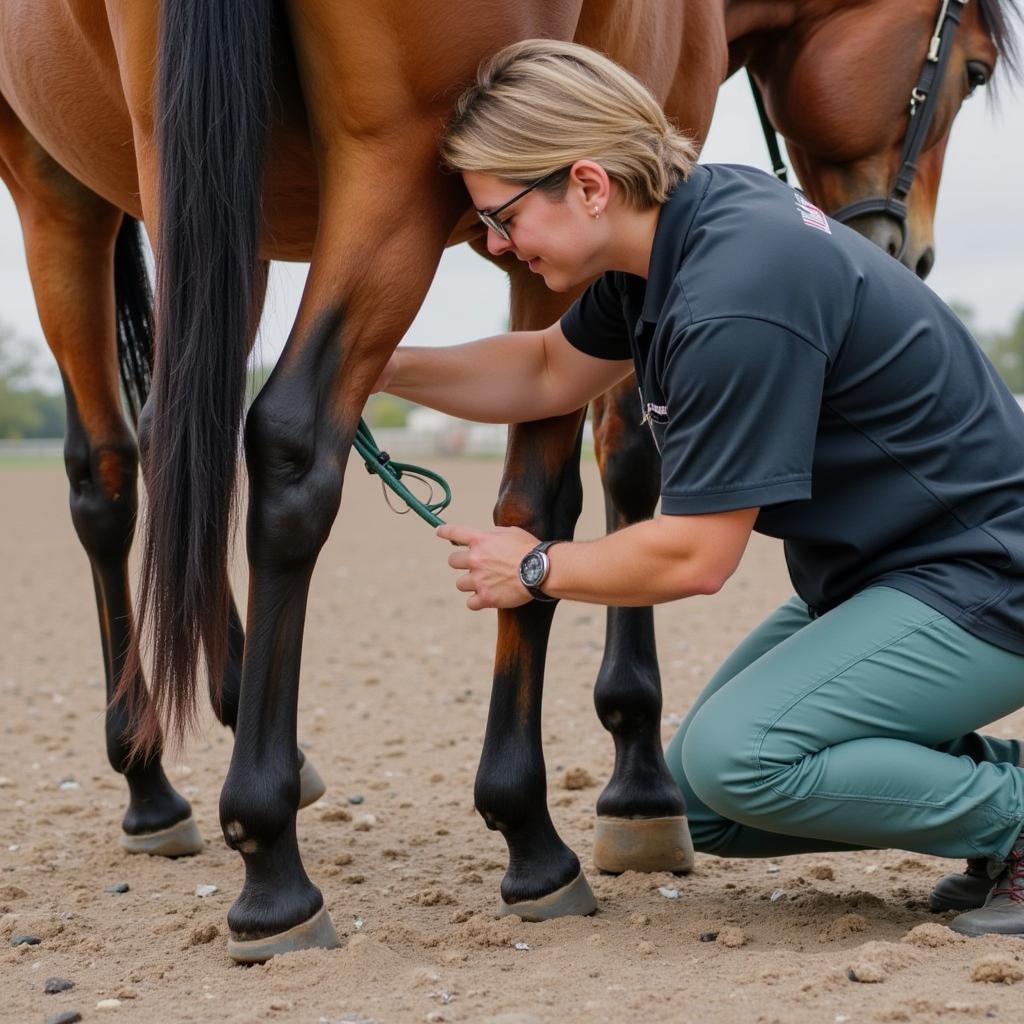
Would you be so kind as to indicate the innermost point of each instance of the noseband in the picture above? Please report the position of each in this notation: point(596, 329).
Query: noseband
point(923, 100)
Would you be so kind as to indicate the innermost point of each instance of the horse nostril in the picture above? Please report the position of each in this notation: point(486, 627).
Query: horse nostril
point(892, 248)
point(925, 263)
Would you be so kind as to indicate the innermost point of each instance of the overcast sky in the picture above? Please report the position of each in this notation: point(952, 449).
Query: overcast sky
point(979, 250)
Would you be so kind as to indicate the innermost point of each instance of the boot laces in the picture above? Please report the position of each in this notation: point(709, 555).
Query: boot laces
point(1011, 881)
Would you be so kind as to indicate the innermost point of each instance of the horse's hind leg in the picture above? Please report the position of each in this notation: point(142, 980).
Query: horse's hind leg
point(69, 242)
point(641, 823)
point(371, 267)
point(540, 492)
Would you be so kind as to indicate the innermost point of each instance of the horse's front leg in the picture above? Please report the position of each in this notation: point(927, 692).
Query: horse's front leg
point(641, 823)
point(540, 492)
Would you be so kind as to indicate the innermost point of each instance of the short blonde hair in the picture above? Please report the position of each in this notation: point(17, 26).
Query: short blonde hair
point(540, 105)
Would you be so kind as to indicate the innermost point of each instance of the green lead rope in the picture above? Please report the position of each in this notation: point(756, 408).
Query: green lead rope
point(391, 473)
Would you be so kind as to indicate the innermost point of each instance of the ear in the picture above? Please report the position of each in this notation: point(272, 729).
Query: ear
point(589, 185)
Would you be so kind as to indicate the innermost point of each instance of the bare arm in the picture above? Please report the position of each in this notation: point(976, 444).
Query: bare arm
point(510, 378)
point(658, 560)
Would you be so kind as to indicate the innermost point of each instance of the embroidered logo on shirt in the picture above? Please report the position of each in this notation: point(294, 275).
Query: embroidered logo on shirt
point(810, 214)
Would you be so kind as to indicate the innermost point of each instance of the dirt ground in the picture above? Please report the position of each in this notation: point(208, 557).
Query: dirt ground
point(396, 676)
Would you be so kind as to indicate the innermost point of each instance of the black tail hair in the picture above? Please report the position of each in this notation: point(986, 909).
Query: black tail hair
point(214, 77)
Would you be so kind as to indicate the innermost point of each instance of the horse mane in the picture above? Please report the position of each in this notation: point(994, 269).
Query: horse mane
point(998, 17)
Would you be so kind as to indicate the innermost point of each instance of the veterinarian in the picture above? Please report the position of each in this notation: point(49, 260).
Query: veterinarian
point(798, 382)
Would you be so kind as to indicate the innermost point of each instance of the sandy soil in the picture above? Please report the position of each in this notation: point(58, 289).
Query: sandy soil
point(396, 676)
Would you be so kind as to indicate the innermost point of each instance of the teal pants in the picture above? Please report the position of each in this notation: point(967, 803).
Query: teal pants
point(852, 730)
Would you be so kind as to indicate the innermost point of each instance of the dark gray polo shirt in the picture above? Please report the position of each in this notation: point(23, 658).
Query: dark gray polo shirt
point(786, 362)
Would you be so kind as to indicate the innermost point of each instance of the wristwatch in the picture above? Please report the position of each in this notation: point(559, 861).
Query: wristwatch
point(534, 569)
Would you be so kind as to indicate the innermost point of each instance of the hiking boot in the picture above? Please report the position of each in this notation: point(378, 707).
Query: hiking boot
point(966, 891)
point(1003, 912)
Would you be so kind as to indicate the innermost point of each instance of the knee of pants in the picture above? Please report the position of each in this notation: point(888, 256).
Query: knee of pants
point(719, 762)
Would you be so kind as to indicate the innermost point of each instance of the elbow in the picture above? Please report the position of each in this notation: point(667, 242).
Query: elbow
point(712, 582)
point(701, 581)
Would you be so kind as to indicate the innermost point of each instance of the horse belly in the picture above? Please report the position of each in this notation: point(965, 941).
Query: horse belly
point(59, 75)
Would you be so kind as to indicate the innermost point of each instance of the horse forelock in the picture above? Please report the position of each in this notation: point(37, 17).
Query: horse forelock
point(1001, 18)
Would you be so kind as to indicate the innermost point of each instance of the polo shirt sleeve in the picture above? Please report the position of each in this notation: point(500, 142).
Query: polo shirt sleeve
point(596, 324)
point(743, 399)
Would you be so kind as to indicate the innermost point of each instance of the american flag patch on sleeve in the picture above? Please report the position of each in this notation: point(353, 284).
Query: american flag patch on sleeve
point(810, 214)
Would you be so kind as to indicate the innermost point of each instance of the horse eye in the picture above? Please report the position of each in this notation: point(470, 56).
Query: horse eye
point(977, 75)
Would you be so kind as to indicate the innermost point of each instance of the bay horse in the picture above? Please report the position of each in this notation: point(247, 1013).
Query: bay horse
point(243, 132)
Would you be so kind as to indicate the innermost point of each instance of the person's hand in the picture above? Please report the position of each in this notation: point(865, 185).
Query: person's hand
point(491, 560)
point(386, 374)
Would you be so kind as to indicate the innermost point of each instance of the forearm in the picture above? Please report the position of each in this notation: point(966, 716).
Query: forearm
point(633, 567)
point(495, 380)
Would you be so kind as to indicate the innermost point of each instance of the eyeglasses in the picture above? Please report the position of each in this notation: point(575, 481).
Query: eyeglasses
point(490, 217)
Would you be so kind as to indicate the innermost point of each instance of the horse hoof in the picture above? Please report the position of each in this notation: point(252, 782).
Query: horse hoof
point(643, 844)
point(316, 933)
point(181, 839)
point(573, 900)
point(311, 786)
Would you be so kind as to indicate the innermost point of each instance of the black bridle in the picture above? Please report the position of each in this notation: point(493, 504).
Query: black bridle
point(923, 100)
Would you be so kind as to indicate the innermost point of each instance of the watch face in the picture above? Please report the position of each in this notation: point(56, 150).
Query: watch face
point(532, 569)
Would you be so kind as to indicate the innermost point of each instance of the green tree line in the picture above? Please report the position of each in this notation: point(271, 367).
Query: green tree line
point(29, 409)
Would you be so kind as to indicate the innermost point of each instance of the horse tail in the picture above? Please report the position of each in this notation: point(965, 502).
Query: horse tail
point(212, 102)
point(133, 297)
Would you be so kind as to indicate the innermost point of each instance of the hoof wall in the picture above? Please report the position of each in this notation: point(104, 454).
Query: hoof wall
point(179, 840)
point(642, 844)
point(573, 900)
point(316, 933)
point(311, 786)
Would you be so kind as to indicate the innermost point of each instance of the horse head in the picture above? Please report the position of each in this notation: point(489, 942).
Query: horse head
point(843, 85)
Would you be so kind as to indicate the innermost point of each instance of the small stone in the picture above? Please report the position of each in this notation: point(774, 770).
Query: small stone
point(773, 869)
point(645, 948)
point(522, 946)
point(26, 940)
point(708, 936)
point(202, 891)
point(342, 859)
point(823, 872)
point(127, 993)
point(669, 894)
point(65, 1017)
point(67, 784)
point(118, 887)
point(870, 869)
point(578, 778)
point(54, 985)
point(731, 938)
point(365, 822)
point(108, 1004)
point(778, 894)
point(356, 799)
point(4, 782)
point(997, 969)
point(359, 922)
point(435, 1017)
point(638, 920)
